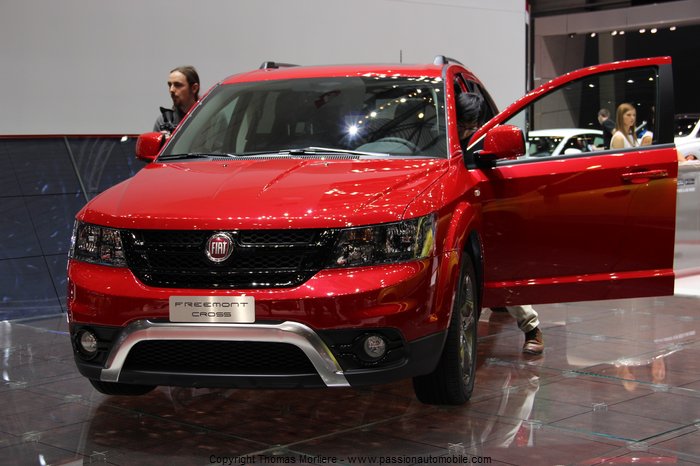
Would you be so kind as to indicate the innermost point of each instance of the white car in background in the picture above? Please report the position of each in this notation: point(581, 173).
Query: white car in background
point(687, 134)
point(563, 141)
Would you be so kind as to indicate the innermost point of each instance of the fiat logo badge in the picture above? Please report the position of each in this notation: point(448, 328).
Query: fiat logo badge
point(219, 247)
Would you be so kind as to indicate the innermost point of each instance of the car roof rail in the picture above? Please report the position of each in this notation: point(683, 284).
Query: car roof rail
point(274, 65)
point(443, 60)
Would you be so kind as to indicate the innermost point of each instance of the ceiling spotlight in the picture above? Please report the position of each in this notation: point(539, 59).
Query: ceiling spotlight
point(672, 28)
point(642, 31)
point(593, 34)
point(614, 33)
point(622, 33)
point(653, 30)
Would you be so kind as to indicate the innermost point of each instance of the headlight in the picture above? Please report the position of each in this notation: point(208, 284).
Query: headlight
point(382, 244)
point(99, 245)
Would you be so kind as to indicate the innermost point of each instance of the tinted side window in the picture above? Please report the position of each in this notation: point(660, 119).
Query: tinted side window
point(565, 122)
point(488, 108)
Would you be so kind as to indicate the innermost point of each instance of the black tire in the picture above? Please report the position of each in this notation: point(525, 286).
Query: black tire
point(116, 388)
point(452, 381)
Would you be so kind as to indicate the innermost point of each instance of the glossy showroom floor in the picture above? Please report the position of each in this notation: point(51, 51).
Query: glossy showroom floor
point(619, 383)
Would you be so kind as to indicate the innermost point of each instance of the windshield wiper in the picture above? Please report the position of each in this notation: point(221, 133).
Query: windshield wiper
point(329, 150)
point(195, 155)
point(295, 151)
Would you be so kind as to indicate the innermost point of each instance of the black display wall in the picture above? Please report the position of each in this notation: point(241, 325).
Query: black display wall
point(680, 44)
point(43, 183)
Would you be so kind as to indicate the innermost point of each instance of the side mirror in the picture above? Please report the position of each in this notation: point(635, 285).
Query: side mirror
point(148, 146)
point(502, 142)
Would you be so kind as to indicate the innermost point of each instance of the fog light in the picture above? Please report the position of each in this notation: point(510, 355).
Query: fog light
point(374, 346)
point(87, 341)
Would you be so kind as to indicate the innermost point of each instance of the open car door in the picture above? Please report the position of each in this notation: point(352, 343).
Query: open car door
point(586, 223)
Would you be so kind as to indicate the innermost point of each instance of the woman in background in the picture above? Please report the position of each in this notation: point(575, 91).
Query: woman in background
point(624, 136)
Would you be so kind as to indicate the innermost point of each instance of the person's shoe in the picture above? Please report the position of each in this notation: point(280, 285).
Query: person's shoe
point(534, 342)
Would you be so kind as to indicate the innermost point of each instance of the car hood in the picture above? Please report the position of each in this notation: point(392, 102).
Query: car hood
point(264, 193)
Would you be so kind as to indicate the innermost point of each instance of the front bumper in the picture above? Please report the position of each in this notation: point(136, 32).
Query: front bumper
point(304, 336)
point(401, 296)
point(324, 359)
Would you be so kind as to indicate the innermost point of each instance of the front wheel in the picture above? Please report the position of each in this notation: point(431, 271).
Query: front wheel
point(115, 388)
point(452, 381)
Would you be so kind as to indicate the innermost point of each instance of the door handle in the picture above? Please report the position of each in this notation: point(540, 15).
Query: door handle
point(644, 176)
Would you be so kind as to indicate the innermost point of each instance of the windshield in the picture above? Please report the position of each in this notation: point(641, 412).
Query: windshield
point(396, 116)
point(684, 126)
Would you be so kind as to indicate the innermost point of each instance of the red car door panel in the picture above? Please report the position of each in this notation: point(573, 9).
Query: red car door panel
point(584, 226)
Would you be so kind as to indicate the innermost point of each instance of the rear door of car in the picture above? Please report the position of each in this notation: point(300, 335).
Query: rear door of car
point(582, 226)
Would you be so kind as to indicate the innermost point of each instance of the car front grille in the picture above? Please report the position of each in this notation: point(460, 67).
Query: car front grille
point(260, 259)
point(218, 357)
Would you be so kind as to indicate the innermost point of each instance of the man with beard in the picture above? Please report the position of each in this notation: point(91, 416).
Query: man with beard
point(183, 85)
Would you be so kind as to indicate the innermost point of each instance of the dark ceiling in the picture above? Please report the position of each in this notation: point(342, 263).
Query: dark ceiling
point(561, 7)
point(681, 45)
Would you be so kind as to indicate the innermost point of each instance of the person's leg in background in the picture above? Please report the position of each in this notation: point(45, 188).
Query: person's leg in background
point(528, 321)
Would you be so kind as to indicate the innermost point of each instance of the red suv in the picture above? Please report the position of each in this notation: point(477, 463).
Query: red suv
point(323, 226)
